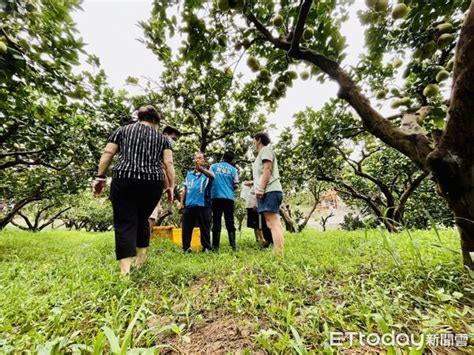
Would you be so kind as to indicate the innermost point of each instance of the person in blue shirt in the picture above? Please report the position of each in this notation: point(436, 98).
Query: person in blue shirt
point(226, 180)
point(196, 203)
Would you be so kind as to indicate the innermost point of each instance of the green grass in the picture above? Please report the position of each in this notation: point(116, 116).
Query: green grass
point(61, 292)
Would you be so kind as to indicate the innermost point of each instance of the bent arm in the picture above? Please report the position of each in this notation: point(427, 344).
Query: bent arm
point(208, 173)
point(106, 159)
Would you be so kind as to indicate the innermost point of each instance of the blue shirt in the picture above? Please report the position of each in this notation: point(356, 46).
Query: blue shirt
point(198, 190)
point(225, 176)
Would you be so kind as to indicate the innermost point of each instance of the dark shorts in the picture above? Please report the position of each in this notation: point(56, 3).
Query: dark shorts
point(255, 220)
point(270, 202)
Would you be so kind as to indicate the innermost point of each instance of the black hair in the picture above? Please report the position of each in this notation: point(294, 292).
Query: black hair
point(171, 130)
point(228, 156)
point(149, 114)
point(262, 137)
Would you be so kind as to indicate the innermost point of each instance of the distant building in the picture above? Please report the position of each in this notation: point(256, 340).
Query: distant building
point(330, 200)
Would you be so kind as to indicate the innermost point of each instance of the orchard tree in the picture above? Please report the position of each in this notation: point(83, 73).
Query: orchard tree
point(307, 32)
point(204, 96)
point(36, 217)
point(89, 213)
point(208, 105)
point(54, 121)
point(297, 177)
point(389, 186)
point(366, 174)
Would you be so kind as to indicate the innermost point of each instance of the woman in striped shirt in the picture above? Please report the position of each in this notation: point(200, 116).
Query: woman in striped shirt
point(137, 182)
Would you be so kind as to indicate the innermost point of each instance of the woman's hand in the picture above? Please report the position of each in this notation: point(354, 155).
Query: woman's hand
point(98, 187)
point(248, 183)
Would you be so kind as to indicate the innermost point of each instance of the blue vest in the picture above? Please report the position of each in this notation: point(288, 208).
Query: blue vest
point(198, 190)
point(225, 176)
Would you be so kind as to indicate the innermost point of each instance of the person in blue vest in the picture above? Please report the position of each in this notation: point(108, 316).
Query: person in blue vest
point(226, 180)
point(196, 203)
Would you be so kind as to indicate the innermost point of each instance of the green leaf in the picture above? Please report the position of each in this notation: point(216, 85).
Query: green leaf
point(127, 339)
point(112, 339)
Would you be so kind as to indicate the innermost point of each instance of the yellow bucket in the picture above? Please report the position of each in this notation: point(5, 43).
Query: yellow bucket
point(162, 232)
point(175, 235)
point(177, 238)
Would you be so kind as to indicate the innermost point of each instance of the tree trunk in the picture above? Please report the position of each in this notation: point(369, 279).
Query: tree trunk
point(289, 223)
point(452, 162)
point(303, 224)
point(52, 219)
point(400, 210)
point(17, 207)
point(390, 224)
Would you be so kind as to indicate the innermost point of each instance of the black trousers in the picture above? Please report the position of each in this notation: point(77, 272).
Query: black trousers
point(256, 220)
point(222, 206)
point(196, 217)
point(132, 202)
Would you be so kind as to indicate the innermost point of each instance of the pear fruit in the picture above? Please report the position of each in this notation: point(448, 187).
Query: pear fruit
point(308, 33)
point(405, 101)
point(380, 94)
point(370, 3)
point(444, 40)
point(277, 21)
point(450, 64)
point(381, 5)
point(223, 5)
point(444, 27)
point(399, 11)
point(395, 104)
point(431, 90)
point(252, 62)
point(442, 75)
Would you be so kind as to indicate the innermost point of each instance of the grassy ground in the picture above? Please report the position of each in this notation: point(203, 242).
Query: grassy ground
point(61, 291)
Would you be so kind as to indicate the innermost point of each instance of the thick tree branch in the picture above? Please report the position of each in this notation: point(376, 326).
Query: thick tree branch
point(303, 224)
point(407, 193)
point(200, 120)
point(299, 26)
point(358, 195)
point(20, 226)
point(20, 161)
point(26, 219)
point(411, 121)
point(40, 212)
point(7, 154)
point(17, 207)
point(226, 134)
point(416, 147)
point(358, 170)
point(52, 219)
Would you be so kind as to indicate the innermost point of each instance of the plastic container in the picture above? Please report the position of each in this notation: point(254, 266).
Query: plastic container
point(177, 238)
point(162, 232)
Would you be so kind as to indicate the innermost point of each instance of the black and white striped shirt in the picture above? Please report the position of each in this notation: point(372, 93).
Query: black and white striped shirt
point(140, 152)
